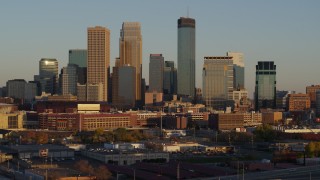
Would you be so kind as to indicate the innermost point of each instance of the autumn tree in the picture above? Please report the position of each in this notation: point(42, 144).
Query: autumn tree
point(102, 172)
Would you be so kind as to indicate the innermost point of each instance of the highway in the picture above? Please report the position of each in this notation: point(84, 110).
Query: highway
point(298, 173)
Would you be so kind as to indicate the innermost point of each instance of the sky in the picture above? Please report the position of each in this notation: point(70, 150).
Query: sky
point(286, 32)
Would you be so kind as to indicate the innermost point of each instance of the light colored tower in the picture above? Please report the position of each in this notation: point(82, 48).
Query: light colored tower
point(98, 58)
point(131, 51)
point(156, 73)
point(265, 89)
point(186, 56)
point(238, 69)
point(217, 77)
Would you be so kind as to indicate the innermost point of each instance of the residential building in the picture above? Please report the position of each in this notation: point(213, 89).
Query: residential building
point(186, 56)
point(217, 82)
point(98, 59)
point(265, 88)
point(156, 68)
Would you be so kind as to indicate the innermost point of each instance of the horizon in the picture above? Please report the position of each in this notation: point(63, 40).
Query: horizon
point(280, 31)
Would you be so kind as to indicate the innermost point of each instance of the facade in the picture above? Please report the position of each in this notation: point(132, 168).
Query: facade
point(20, 89)
point(238, 69)
point(85, 121)
point(153, 98)
point(81, 92)
point(252, 118)
point(299, 102)
point(265, 88)
point(186, 56)
point(169, 78)
point(282, 99)
point(12, 120)
point(272, 118)
point(69, 79)
point(131, 52)
point(79, 57)
point(156, 67)
point(95, 92)
point(228, 121)
point(127, 86)
point(99, 58)
point(318, 103)
point(217, 78)
point(48, 75)
point(311, 90)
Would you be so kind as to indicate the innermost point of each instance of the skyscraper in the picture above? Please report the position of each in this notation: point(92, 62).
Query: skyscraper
point(69, 79)
point(265, 89)
point(217, 75)
point(131, 52)
point(186, 56)
point(99, 58)
point(48, 75)
point(79, 57)
point(238, 69)
point(169, 78)
point(156, 72)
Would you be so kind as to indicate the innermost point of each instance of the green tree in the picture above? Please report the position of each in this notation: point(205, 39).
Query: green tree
point(265, 133)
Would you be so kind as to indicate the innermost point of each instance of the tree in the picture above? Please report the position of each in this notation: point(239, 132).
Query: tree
point(102, 172)
point(265, 133)
point(84, 167)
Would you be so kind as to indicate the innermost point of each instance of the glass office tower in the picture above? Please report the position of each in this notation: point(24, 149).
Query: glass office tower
point(217, 74)
point(186, 56)
point(265, 89)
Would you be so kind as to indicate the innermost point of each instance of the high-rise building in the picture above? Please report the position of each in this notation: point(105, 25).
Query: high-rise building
point(282, 99)
point(79, 57)
point(48, 75)
point(238, 69)
point(20, 89)
point(99, 58)
point(131, 52)
point(265, 88)
point(156, 73)
point(311, 90)
point(217, 80)
point(126, 87)
point(186, 56)
point(169, 78)
point(69, 79)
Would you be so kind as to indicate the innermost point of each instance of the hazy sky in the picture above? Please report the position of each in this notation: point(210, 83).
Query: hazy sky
point(285, 31)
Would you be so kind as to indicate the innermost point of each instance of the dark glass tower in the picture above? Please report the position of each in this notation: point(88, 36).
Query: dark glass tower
point(265, 89)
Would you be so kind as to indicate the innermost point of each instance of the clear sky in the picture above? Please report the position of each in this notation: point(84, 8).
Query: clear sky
point(286, 31)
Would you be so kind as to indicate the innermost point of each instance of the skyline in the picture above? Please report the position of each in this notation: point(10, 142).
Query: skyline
point(284, 32)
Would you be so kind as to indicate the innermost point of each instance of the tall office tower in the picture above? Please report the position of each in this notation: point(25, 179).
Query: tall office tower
point(99, 58)
point(311, 90)
point(131, 52)
point(48, 75)
point(217, 80)
point(127, 86)
point(69, 79)
point(169, 78)
point(265, 89)
point(238, 69)
point(79, 57)
point(186, 56)
point(156, 73)
point(115, 82)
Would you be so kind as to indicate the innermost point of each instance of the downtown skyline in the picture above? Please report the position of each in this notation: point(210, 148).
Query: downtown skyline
point(284, 32)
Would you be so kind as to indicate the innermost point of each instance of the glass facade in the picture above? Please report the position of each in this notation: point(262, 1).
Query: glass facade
point(238, 69)
point(78, 57)
point(265, 89)
point(48, 75)
point(217, 75)
point(169, 78)
point(186, 56)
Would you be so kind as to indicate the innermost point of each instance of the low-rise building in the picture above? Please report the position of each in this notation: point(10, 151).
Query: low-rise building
point(226, 121)
point(272, 118)
point(299, 102)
